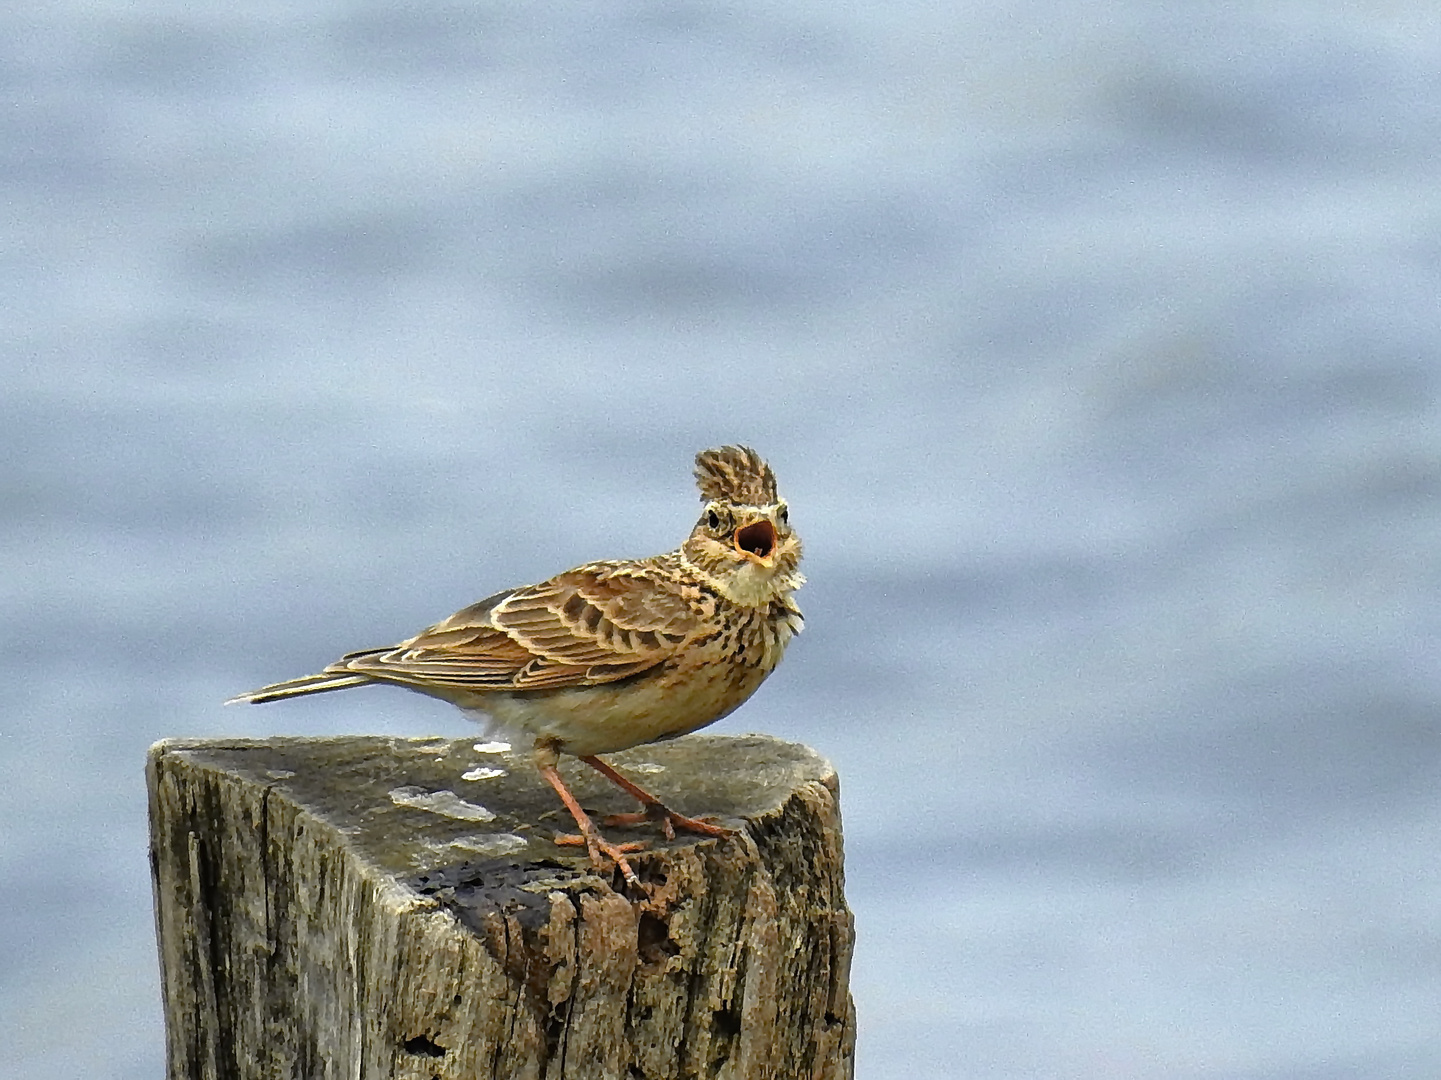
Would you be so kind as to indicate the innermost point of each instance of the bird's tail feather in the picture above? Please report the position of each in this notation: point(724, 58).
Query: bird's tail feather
point(306, 684)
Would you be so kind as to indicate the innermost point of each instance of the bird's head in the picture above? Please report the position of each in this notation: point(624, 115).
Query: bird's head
point(743, 540)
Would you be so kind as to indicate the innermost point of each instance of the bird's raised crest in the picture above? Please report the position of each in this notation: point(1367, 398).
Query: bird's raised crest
point(735, 474)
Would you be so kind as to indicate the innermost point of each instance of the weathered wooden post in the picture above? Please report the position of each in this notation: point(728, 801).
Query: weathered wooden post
point(375, 908)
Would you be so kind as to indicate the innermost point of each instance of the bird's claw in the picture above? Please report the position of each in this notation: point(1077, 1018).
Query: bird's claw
point(670, 821)
point(576, 840)
point(598, 846)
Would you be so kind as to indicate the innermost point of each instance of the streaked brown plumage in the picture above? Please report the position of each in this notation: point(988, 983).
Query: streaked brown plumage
point(611, 655)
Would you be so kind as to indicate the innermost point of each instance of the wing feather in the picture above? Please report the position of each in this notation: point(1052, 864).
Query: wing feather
point(595, 624)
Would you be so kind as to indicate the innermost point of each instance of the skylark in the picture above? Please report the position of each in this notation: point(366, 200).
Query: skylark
point(614, 654)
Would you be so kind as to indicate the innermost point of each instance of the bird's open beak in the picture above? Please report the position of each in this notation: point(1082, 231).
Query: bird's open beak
point(757, 542)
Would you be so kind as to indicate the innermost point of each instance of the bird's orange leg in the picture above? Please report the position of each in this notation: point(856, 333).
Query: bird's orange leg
point(546, 760)
point(655, 810)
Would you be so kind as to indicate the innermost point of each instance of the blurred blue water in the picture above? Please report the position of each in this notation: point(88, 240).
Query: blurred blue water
point(1096, 348)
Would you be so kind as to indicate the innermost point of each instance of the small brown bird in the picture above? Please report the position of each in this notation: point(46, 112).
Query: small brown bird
point(614, 654)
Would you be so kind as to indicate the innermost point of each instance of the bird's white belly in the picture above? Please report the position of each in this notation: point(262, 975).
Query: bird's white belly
point(602, 719)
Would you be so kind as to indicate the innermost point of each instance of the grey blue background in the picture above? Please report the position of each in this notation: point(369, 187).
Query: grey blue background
point(1096, 347)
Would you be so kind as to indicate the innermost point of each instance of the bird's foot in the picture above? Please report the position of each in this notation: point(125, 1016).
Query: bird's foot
point(590, 836)
point(600, 848)
point(601, 844)
point(670, 821)
point(654, 809)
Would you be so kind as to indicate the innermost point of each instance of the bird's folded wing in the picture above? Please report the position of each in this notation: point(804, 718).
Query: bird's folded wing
point(591, 625)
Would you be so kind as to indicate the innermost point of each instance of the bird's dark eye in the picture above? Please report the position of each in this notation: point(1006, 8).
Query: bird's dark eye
point(712, 519)
point(783, 515)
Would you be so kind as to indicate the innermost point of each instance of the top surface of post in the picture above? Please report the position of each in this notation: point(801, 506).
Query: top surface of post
point(409, 805)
